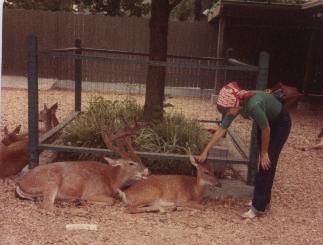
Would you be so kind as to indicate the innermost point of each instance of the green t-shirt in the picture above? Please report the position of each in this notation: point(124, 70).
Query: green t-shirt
point(262, 107)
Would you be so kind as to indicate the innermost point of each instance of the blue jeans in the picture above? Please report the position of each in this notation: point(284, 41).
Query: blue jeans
point(279, 132)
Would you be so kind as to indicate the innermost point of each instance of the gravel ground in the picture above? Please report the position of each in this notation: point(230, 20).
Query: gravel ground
point(294, 218)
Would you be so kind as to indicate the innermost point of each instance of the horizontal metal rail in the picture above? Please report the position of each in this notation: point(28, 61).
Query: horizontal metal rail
point(151, 62)
point(209, 121)
point(150, 155)
point(63, 49)
point(240, 63)
point(132, 53)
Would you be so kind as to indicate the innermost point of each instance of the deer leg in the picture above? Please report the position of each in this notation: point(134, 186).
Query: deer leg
point(51, 189)
point(101, 199)
point(157, 206)
point(123, 196)
point(143, 209)
point(49, 197)
point(191, 204)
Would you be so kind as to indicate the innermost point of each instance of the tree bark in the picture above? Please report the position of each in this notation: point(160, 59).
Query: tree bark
point(155, 84)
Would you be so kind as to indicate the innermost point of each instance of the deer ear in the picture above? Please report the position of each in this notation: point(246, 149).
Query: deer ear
point(17, 129)
point(54, 107)
point(193, 161)
point(112, 162)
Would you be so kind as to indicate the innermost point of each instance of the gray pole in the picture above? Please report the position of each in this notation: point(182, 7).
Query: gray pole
point(32, 70)
point(78, 76)
point(262, 80)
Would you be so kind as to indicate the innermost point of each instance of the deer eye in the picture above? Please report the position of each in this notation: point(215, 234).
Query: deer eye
point(131, 164)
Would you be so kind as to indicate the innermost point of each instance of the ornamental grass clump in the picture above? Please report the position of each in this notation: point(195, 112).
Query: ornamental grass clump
point(175, 134)
point(85, 130)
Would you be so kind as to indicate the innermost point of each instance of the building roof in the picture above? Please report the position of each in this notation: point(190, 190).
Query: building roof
point(309, 12)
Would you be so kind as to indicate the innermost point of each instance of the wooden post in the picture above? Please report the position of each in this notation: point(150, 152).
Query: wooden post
point(32, 70)
point(219, 52)
point(262, 79)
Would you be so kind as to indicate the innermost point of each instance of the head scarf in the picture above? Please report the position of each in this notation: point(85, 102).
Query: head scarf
point(231, 95)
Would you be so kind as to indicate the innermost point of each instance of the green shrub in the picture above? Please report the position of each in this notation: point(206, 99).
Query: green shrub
point(175, 134)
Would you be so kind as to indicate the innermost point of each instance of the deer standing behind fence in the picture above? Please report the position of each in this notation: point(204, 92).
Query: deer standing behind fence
point(86, 180)
point(164, 192)
point(14, 154)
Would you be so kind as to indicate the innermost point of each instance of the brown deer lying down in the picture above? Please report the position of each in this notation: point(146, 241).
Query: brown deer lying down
point(318, 145)
point(87, 180)
point(14, 156)
point(159, 193)
point(13, 152)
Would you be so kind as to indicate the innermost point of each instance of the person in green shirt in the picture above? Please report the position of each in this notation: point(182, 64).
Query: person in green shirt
point(274, 125)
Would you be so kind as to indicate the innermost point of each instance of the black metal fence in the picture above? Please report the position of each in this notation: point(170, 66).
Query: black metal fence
point(79, 55)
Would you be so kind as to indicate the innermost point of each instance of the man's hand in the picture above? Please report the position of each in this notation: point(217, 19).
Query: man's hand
point(264, 161)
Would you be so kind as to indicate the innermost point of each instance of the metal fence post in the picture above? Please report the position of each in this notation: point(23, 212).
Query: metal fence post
point(78, 75)
point(32, 69)
point(262, 80)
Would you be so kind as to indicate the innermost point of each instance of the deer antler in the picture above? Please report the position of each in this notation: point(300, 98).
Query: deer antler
point(189, 153)
point(121, 138)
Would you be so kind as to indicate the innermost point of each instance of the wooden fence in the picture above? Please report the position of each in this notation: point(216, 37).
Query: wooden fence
point(131, 34)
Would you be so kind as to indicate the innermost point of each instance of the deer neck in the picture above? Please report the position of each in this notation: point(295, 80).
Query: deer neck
point(199, 187)
point(54, 121)
point(116, 178)
point(48, 126)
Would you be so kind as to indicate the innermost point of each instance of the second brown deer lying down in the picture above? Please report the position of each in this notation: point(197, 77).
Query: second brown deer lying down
point(163, 192)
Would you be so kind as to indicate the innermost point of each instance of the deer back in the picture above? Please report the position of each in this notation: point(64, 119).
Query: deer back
point(13, 158)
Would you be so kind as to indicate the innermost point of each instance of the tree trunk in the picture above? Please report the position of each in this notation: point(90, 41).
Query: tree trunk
point(197, 10)
point(155, 84)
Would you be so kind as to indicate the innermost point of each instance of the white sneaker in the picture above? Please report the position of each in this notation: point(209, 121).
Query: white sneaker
point(249, 204)
point(250, 214)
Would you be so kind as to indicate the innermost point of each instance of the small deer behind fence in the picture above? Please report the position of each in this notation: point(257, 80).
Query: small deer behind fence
point(86, 180)
point(166, 192)
point(48, 117)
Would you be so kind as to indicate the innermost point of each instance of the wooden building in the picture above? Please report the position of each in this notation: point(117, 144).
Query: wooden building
point(292, 34)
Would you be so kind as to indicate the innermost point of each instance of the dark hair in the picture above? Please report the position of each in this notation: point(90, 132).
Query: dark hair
point(223, 110)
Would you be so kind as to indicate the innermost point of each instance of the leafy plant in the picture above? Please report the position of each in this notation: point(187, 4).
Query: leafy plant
point(173, 135)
